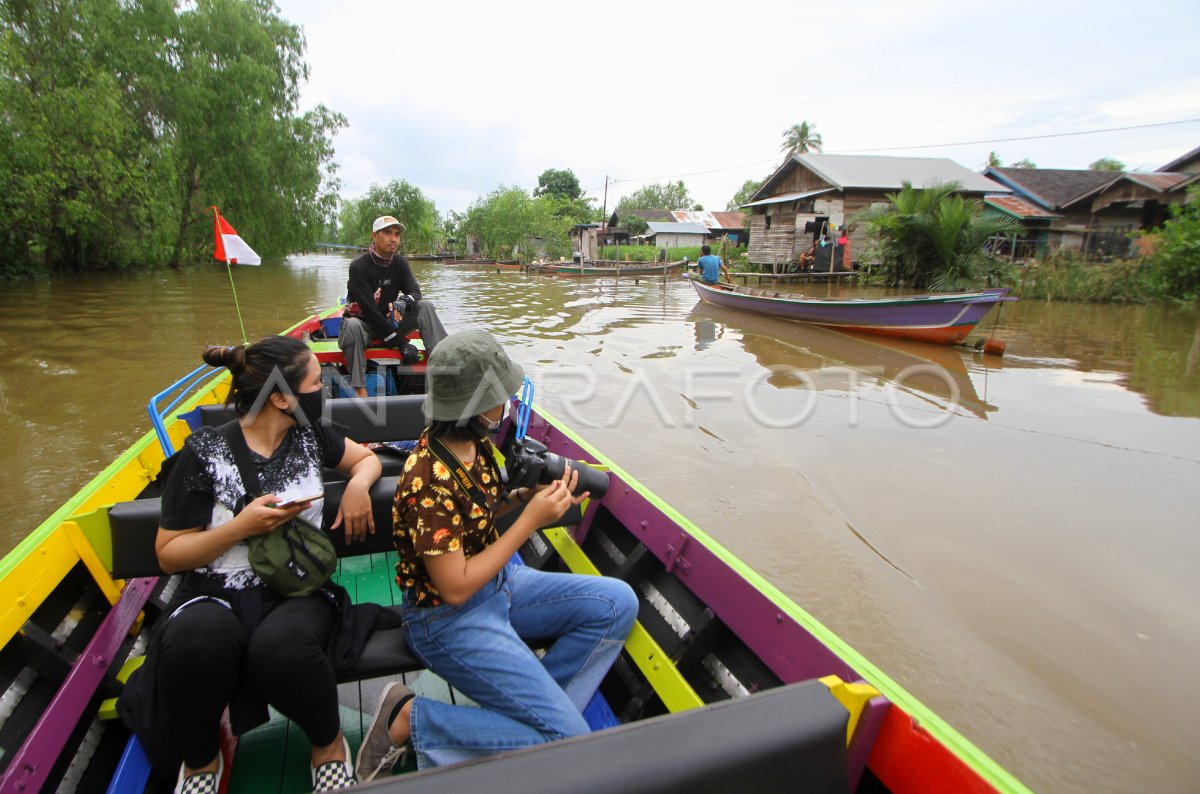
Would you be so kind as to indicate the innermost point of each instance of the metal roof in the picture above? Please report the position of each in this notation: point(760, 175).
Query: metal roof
point(1183, 159)
point(1054, 188)
point(889, 173)
point(782, 197)
point(710, 220)
point(676, 228)
point(1018, 207)
point(1157, 180)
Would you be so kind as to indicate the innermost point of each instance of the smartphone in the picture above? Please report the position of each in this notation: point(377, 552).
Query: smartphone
point(297, 500)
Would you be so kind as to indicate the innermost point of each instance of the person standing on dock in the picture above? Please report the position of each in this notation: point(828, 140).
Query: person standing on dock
point(711, 267)
point(383, 301)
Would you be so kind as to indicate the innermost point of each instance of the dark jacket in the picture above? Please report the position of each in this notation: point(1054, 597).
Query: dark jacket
point(366, 277)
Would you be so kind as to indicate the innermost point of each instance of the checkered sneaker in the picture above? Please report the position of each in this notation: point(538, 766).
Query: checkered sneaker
point(200, 782)
point(334, 775)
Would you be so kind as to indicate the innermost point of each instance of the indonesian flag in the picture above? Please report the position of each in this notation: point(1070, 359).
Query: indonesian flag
point(230, 247)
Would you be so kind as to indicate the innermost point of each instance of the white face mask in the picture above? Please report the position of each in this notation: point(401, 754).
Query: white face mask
point(494, 426)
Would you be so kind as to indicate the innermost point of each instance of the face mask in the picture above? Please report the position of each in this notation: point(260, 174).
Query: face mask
point(484, 428)
point(309, 406)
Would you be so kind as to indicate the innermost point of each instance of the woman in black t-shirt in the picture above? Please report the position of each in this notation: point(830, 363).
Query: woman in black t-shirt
point(229, 640)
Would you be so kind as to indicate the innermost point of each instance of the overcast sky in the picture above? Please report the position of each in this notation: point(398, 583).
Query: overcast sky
point(461, 97)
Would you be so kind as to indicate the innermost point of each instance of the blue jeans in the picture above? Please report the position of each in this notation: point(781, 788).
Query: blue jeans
point(479, 648)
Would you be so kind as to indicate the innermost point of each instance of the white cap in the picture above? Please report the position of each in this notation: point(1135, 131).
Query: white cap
point(384, 221)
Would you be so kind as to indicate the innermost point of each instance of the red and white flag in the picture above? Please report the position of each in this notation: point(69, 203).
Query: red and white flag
point(230, 247)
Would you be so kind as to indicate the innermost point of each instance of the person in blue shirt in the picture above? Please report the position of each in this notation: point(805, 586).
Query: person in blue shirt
point(711, 267)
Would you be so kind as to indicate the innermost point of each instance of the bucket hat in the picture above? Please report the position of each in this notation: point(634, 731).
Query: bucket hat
point(469, 373)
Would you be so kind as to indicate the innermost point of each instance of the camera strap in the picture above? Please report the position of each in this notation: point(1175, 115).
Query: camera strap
point(460, 472)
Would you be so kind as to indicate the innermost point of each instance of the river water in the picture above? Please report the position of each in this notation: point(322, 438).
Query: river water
point(1013, 540)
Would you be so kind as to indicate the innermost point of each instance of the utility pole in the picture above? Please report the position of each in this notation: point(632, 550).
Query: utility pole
point(604, 208)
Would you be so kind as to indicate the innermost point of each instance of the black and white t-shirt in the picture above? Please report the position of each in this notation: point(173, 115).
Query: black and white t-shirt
point(204, 487)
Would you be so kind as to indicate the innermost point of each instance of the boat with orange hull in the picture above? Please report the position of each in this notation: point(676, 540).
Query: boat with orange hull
point(946, 319)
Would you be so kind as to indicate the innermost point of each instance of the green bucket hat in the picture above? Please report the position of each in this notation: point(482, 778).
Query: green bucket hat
point(469, 373)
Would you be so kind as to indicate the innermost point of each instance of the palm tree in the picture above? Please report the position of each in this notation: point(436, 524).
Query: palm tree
point(935, 237)
point(801, 138)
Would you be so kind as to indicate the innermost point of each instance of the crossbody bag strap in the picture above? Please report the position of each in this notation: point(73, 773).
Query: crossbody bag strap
point(460, 472)
point(251, 485)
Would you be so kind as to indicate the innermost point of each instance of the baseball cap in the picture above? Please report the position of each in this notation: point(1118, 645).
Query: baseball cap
point(469, 373)
point(384, 221)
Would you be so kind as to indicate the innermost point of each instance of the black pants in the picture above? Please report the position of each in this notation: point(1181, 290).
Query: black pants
point(206, 652)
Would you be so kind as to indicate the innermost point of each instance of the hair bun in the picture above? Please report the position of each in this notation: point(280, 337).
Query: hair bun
point(233, 357)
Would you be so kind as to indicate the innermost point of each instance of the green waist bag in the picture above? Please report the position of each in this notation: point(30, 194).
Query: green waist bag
point(294, 560)
point(297, 557)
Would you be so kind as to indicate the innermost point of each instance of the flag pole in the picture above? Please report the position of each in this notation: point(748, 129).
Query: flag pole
point(236, 306)
point(228, 269)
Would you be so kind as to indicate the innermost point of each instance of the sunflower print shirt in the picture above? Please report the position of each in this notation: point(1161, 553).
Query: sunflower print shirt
point(433, 514)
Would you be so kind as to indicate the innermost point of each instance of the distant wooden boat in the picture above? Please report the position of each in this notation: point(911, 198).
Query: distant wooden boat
point(609, 268)
point(946, 319)
point(503, 264)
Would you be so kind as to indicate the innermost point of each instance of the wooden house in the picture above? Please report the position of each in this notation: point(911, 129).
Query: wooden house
point(1094, 212)
point(814, 193)
point(721, 225)
point(675, 235)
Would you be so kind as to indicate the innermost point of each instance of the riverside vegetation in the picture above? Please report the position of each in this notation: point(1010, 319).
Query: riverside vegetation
point(934, 239)
point(116, 144)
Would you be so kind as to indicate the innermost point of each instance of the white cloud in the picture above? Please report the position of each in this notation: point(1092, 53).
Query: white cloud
point(459, 98)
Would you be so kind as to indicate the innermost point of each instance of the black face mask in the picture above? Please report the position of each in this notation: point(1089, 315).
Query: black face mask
point(309, 406)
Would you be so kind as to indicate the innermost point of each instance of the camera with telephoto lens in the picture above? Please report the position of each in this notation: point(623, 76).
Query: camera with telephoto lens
point(529, 464)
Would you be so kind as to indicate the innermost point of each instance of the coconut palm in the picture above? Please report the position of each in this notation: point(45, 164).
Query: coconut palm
point(801, 138)
point(935, 238)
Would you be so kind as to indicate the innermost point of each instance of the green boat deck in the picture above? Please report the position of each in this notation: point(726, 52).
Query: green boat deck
point(274, 758)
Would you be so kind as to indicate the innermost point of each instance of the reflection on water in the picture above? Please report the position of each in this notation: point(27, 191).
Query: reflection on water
point(1009, 538)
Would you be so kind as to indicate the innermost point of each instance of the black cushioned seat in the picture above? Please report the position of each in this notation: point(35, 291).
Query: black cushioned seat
point(134, 526)
point(792, 738)
point(363, 419)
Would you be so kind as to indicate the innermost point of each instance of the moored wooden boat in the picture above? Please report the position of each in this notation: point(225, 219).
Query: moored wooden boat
point(490, 264)
point(610, 268)
point(946, 318)
point(76, 598)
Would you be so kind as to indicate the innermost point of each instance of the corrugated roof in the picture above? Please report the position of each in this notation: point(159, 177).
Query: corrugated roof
point(1181, 160)
point(1054, 188)
point(662, 216)
point(1157, 180)
point(889, 173)
point(782, 197)
point(1018, 207)
point(676, 228)
point(710, 220)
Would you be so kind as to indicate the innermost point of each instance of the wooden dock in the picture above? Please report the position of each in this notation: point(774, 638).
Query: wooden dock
point(793, 278)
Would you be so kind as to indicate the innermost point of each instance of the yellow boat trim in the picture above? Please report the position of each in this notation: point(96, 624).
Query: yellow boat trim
point(108, 707)
point(26, 586)
point(853, 696)
point(648, 655)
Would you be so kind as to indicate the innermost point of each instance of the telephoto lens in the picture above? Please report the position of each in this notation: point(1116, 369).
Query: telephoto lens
point(529, 464)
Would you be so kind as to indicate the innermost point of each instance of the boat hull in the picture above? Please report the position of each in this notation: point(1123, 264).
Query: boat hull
point(945, 319)
point(630, 269)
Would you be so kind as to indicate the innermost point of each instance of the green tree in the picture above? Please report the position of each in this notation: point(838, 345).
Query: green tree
point(238, 141)
point(1024, 162)
point(423, 230)
point(124, 121)
point(935, 238)
point(993, 161)
point(506, 219)
point(801, 138)
point(1175, 264)
point(1106, 164)
point(560, 183)
point(743, 194)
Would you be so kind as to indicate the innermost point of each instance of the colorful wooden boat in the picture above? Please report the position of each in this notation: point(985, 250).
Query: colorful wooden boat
point(489, 264)
point(606, 268)
point(724, 684)
point(944, 318)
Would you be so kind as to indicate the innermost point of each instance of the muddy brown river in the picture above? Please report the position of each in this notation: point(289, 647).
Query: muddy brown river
point(1013, 540)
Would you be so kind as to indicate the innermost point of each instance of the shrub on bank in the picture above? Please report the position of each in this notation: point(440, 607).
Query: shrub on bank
point(1070, 277)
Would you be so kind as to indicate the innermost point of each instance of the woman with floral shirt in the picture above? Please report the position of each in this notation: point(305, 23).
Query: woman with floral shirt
point(468, 610)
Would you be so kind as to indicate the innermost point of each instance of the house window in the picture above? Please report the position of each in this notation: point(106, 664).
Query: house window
point(768, 217)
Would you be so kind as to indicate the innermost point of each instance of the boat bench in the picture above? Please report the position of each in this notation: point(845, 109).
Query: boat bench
point(363, 419)
point(134, 526)
point(790, 738)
